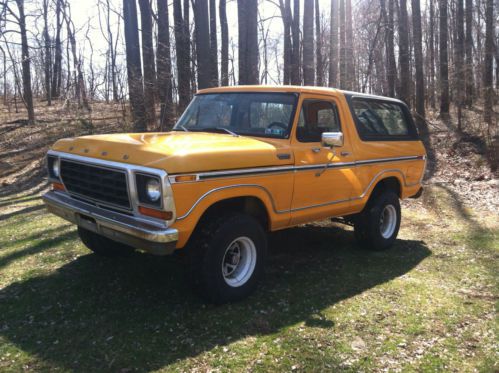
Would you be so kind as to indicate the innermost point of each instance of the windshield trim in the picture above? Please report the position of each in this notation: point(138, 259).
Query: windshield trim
point(285, 136)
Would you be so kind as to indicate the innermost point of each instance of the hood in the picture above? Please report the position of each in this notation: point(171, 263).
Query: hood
point(180, 152)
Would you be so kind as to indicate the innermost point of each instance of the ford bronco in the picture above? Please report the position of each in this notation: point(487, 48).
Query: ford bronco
point(240, 162)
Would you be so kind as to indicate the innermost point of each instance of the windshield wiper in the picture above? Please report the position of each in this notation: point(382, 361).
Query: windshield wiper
point(181, 127)
point(211, 129)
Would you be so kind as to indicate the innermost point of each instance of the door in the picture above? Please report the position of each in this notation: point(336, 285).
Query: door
point(324, 176)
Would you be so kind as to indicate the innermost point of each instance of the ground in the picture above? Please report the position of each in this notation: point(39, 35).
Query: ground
point(427, 304)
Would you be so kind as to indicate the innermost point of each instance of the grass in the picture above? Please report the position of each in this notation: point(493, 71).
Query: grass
point(427, 304)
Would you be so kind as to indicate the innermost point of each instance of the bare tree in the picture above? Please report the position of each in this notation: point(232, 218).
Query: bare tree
point(343, 72)
point(391, 64)
point(469, 79)
point(418, 61)
point(164, 66)
point(333, 45)
point(488, 65)
point(308, 42)
point(247, 11)
point(213, 44)
point(285, 8)
point(183, 54)
point(48, 55)
point(404, 91)
point(57, 70)
point(319, 70)
point(295, 55)
point(135, 87)
point(225, 43)
point(203, 53)
point(459, 60)
point(150, 91)
point(349, 43)
point(444, 68)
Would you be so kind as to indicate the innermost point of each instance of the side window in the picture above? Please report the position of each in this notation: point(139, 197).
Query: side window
point(316, 117)
point(382, 120)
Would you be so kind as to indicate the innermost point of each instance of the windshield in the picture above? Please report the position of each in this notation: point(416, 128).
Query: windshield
point(252, 114)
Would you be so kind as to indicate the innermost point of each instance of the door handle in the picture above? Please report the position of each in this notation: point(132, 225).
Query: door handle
point(316, 150)
point(344, 154)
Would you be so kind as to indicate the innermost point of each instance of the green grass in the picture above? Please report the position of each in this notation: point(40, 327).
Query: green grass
point(427, 304)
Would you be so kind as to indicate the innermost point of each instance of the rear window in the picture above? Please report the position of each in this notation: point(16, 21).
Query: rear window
point(382, 120)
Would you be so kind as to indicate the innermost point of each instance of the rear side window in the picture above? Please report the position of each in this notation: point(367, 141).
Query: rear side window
point(382, 120)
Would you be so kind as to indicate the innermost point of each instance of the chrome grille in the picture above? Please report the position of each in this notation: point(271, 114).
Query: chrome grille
point(102, 185)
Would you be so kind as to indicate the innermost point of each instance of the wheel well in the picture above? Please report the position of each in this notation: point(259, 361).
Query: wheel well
point(389, 183)
point(248, 205)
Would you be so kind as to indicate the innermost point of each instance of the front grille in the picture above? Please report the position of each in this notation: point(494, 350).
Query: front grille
point(98, 184)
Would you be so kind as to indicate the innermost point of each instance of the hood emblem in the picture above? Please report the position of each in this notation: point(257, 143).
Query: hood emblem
point(125, 156)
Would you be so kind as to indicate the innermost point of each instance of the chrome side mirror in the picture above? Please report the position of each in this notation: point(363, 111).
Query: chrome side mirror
point(332, 139)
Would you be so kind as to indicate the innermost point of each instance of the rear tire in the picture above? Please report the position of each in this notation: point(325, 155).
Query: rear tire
point(101, 245)
point(226, 257)
point(376, 228)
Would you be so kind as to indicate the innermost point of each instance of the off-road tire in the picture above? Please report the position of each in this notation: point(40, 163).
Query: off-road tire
point(368, 227)
point(101, 245)
point(207, 251)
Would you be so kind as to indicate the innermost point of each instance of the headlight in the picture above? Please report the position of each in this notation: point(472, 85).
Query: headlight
point(149, 189)
point(54, 166)
point(153, 190)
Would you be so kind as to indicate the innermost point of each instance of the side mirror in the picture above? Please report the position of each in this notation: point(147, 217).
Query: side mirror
point(332, 139)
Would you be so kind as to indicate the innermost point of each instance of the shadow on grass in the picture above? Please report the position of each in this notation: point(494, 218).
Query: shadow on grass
point(98, 314)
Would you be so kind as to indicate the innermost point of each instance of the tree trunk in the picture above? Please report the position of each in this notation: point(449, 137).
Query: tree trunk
point(418, 62)
point(404, 91)
point(48, 55)
point(57, 70)
point(182, 47)
point(225, 43)
point(213, 44)
point(350, 61)
point(285, 8)
point(150, 92)
point(295, 55)
point(308, 42)
point(247, 11)
point(203, 53)
point(469, 79)
point(488, 63)
point(319, 70)
point(343, 73)
point(164, 66)
point(431, 48)
point(444, 61)
point(391, 64)
point(460, 72)
point(26, 64)
point(133, 62)
point(333, 45)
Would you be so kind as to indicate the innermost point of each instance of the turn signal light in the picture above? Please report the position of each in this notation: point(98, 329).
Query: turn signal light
point(58, 186)
point(165, 215)
point(184, 178)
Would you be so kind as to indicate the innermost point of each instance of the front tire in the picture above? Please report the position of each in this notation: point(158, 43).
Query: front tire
point(226, 257)
point(376, 228)
point(101, 245)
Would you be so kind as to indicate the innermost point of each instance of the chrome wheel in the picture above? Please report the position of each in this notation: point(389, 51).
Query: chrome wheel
point(239, 261)
point(388, 221)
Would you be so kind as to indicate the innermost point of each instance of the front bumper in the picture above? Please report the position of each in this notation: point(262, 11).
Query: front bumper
point(130, 230)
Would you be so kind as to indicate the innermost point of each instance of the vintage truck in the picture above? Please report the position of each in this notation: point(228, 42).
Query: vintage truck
point(241, 162)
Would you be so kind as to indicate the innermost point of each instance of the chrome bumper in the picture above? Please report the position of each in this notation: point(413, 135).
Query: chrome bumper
point(154, 238)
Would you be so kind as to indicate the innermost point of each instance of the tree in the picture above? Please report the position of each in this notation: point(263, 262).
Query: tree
point(418, 61)
point(203, 53)
point(349, 42)
point(133, 62)
point(391, 64)
point(164, 66)
point(48, 54)
point(183, 51)
point(343, 73)
point(295, 55)
point(285, 8)
point(213, 44)
point(468, 46)
point(459, 60)
point(404, 91)
point(488, 64)
point(150, 91)
point(431, 48)
point(333, 45)
point(225, 43)
point(308, 42)
point(247, 11)
point(57, 70)
point(444, 69)
point(319, 70)
point(26, 64)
